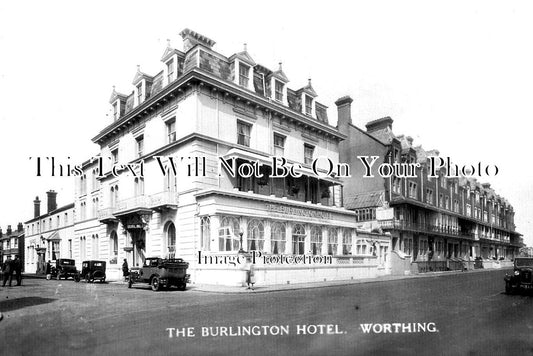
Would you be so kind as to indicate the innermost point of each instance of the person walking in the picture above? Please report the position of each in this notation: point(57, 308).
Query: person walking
point(125, 269)
point(7, 269)
point(250, 273)
point(48, 270)
point(17, 267)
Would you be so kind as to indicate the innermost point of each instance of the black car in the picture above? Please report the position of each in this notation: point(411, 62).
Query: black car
point(65, 268)
point(93, 270)
point(161, 273)
point(522, 276)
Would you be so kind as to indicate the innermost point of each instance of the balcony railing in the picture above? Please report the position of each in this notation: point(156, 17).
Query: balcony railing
point(423, 228)
point(141, 202)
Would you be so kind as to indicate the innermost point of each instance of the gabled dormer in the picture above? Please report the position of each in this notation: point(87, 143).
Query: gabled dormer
point(243, 69)
point(173, 64)
point(118, 104)
point(143, 84)
point(278, 83)
point(307, 97)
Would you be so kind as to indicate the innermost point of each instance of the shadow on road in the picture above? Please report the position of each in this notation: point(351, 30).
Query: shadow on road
point(19, 303)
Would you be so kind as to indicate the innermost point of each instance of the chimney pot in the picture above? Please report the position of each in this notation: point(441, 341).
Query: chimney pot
point(8, 232)
point(20, 227)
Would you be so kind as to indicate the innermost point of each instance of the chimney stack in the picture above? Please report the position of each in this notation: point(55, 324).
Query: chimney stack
point(191, 39)
point(344, 111)
point(1, 233)
point(379, 124)
point(20, 227)
point(51, 197)
point(36, 207)
point(8, 232)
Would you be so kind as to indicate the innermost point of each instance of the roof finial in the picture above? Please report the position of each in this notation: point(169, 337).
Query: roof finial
point(113, 88)
point(309, 81)
point(168, 42)
point(138, 67)
point(280, 67)
point(245, 47)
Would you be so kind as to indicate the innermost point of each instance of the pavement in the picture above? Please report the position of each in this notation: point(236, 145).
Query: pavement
point(224, 289)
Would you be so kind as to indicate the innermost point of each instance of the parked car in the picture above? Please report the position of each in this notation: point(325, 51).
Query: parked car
point(161, 273)
point(522, 276)
point(93, 270)
point(64, 268)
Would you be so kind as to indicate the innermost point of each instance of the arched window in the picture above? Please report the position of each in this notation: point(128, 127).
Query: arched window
point(205, 233)
point(114, 196)
point(256, 235)
point(316, 240)
point(94, 246)
point(113, 247)
point(332, 241)
point(277, 233)
point(171, 240)
point(298, 239)
point(228, 234)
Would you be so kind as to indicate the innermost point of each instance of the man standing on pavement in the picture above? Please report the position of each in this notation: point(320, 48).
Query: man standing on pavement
point(17, 267)
point(7, 269)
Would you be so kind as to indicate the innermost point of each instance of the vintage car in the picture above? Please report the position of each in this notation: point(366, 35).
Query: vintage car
point(161, 273)
point(93, 270)
point(64, 268)
point(522, 276)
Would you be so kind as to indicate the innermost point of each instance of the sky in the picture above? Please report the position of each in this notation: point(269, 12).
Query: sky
point(456, 76)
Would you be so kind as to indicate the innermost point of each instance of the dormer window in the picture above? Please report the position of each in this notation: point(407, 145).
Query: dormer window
point(308, 105)
point(140, 93)
point(170, 70)
point(244, 75)
point(279, 90)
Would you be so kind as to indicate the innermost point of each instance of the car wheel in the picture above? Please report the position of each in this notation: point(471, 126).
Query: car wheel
point(182, 286)
point(58, 277)
point(156, 284)
point(102, 280)
point(77, 278)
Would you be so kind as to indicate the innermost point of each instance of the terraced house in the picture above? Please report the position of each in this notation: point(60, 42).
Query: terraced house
point(206, 114)
point(434, 222)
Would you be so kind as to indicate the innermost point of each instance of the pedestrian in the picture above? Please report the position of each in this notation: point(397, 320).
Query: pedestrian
point(250, 273)
point(7, 269)
point(125, 269)
point(17, 263)
point(48, 270)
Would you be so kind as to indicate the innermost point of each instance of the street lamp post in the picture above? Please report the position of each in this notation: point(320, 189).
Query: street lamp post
point(241, 232)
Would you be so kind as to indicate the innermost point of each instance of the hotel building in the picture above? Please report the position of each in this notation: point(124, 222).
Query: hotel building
point(207, 114)
point(432, 221)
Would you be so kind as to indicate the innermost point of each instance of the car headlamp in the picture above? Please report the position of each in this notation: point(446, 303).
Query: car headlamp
point(516, 273)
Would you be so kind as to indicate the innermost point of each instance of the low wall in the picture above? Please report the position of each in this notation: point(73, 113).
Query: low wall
point(340, 269)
